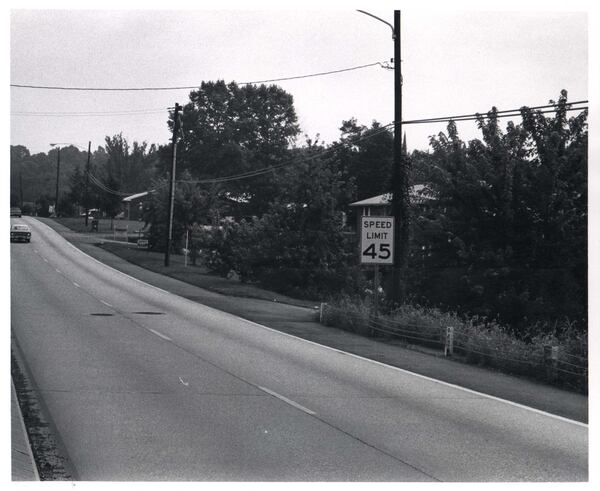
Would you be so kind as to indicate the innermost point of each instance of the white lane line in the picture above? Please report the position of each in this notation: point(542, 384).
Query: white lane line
point(76, 285)
point(408, 372)
point(160, 335)
point(58, 270)
point(114, 269)
point(36, 251)
point(51, 230)
point(106, 303)
point(288, 401)
point(184, 383)
point(45, 260)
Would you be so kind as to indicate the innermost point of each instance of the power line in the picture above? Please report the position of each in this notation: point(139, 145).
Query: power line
point(90, 113)
point(130, 89)
point(473, 117)
point(499, 114)
point(463, 117)
point(266, 170)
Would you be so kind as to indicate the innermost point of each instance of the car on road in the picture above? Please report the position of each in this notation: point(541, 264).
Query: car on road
point(19, 232)
point(15, 211)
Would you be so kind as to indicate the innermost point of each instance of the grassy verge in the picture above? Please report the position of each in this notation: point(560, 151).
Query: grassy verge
point(556, 359)
point(198, 275)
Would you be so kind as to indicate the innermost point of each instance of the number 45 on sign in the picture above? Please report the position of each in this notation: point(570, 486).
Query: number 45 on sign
point(377, 240)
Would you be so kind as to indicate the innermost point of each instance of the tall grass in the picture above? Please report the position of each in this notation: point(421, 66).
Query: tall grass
point(477, 340)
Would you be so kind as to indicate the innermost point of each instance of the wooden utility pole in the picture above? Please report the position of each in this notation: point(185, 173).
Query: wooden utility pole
point(400, 202)
point(57, 178)
point(176, 127)
point(87, 184)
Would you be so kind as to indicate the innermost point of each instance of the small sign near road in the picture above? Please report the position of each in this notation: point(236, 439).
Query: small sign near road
point(376, 240)
point(142, 243)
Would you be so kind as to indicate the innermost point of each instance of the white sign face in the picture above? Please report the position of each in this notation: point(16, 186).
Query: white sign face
point(377, 240)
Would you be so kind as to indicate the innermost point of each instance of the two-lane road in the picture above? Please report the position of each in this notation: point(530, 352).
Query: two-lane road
point(142, 384)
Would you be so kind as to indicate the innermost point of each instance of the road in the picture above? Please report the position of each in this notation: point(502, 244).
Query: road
point(144, 385)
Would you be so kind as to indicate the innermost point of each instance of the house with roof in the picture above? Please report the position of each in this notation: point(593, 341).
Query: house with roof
point(381, 205)
point(133, 206)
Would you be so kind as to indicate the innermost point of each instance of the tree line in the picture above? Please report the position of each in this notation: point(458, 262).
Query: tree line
point(503, 235)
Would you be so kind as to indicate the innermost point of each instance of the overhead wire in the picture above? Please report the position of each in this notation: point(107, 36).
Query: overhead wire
point(188, 87)
point(474, 117)
point(269, 169)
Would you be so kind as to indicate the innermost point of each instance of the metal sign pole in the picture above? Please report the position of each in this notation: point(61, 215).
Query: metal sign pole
point(376, 285)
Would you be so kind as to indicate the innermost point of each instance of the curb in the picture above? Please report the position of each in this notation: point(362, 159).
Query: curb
point(16, 411)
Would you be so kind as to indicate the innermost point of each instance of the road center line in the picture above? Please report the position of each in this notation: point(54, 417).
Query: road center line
point(58, 270)
point(76, 285)
point(288, 401)
point(160, 335)
point(106, 303)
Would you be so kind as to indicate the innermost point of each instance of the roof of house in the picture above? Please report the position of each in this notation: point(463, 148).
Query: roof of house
point(136, 196)
point(418, 194)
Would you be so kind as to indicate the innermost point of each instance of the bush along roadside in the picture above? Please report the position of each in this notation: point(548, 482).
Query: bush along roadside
point(557, 359)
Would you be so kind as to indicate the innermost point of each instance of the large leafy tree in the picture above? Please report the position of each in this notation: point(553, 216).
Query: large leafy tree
point(365, 155)
point(506, 234)
point(131, 165)
point(230, 129)
point(298, 245)
point(194, 204)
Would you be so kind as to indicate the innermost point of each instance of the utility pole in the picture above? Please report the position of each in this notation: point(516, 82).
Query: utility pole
point(21, 188)
point(57, 177)
point(400, 199)
point(87, 184)
point(176, 127)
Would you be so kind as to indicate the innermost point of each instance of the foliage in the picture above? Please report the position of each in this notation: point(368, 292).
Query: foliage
point(365, 155)
point(230, 129)
point(298, 246)
point(131, 166)
point(193, 205)
point(506, 234)
point(477, 340)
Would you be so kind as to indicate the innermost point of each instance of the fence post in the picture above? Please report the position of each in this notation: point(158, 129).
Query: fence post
point(323, 304)
point(551, 361)
point(449, 344)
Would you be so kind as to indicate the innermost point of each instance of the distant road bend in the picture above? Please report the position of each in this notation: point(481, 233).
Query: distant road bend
point(145, 385)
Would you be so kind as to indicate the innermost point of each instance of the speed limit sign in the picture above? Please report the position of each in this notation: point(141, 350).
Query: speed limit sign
point(377, 240)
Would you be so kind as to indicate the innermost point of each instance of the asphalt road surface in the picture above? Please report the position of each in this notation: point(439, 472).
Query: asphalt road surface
point(144, 385)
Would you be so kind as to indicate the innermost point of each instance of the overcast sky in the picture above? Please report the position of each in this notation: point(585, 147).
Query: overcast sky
point(452, 63)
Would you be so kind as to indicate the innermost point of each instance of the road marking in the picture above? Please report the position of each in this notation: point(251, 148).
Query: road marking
point(408, 372)
point(76, 285)
point(58, 270)
point(36, 251)
point(160, 335)
point(45, 260)
point(110, 267)
point(106, 303)
point(288, 401)
point(181, 380)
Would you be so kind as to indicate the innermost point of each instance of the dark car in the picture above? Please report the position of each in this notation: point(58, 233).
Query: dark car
point(15, 212)
point(19, 232)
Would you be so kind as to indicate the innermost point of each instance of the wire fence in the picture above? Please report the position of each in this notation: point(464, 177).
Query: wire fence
point(555, 364)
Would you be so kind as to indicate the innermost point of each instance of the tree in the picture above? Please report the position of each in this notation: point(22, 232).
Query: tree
point(230, 129)
point(193, 204)
point(298, 245)
point(132, 166)
point(366, 156)
point(506, 234)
